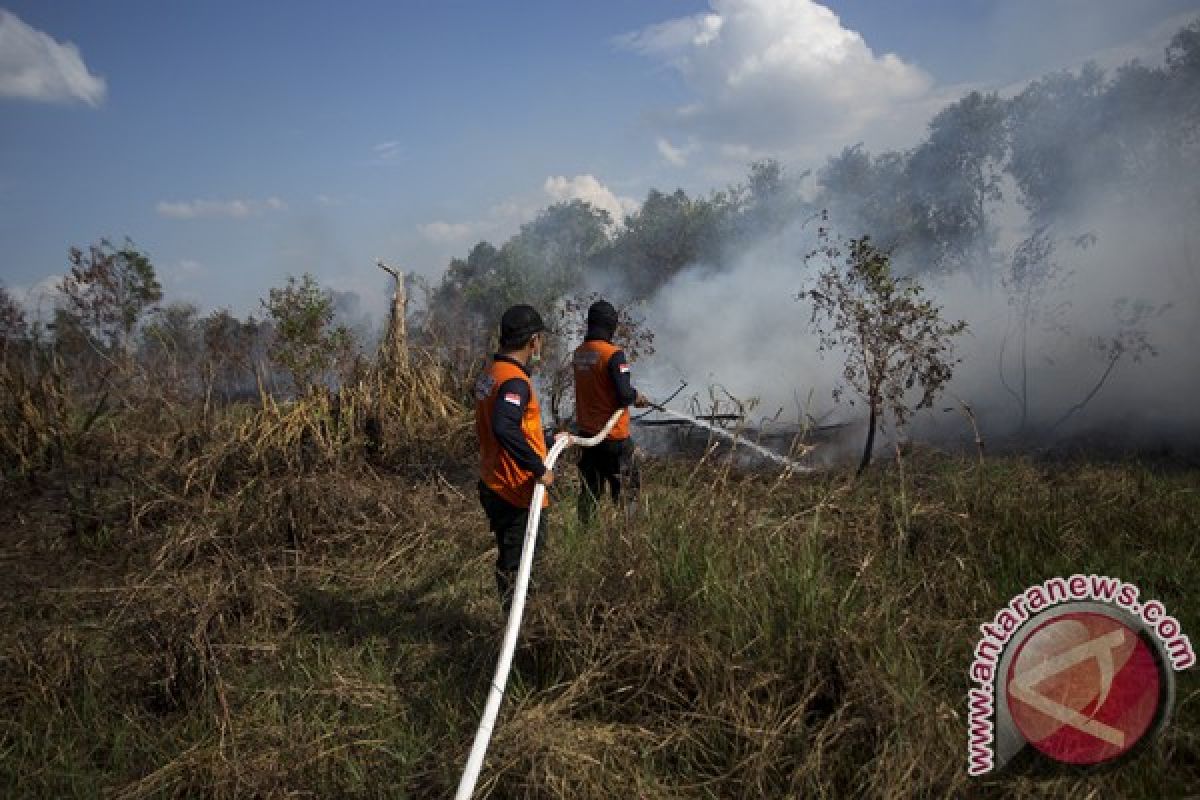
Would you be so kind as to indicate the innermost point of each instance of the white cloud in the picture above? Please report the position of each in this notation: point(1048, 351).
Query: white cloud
point(590, 190)
point(388, 151)
point(505, 218)
point(33, 66)
point(781, 76)
point(676, 156)
point(233, 209)
point(440, 232)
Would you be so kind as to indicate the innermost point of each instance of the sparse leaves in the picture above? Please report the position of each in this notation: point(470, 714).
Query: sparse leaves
point(893, 337)
point(568, 324)
point(107, 291)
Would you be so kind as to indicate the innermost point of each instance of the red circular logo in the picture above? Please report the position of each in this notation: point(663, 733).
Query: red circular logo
point(1084, 688)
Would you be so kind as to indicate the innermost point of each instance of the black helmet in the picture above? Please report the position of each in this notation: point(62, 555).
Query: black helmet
point(519, 323)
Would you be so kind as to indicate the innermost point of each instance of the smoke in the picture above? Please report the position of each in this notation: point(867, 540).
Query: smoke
point(1090, 340)
point(1134, 288)
point(743, 329)
point(348, 311)
point(1057, 220)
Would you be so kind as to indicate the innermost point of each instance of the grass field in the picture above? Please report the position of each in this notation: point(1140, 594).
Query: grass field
point(250, 607)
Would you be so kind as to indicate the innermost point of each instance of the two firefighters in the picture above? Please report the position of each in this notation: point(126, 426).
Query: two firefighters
point(512, 442)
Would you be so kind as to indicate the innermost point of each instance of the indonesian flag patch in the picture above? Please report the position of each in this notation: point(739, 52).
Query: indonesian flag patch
point(512, 397)
point(623, 368)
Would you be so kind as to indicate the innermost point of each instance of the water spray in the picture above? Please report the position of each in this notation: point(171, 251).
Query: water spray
point(466, 786)
point(793, 466)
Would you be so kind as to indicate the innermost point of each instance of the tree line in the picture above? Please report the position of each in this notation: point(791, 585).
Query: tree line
point(1053, 148)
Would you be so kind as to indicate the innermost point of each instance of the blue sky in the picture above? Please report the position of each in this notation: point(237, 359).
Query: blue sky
point(241, 142)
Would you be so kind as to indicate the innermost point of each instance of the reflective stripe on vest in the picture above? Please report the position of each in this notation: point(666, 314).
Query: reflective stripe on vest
point(497, 469)
point(595, 394)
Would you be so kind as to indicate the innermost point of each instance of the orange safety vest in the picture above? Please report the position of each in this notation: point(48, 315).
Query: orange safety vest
point(595, 394)
point(497, 469)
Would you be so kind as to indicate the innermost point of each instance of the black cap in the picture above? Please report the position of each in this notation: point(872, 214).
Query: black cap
point(518, 324)
point(602, 315)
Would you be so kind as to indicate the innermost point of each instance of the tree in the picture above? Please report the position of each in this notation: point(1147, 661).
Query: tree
point(171, 344)
point(865, 193)
point(1131, 340)
point(307, 344)
point(1030, 283)
point(107, 291)
point(953, 177)
point(669, 232)
point(541, 263)
point(764, 205)
point(13, 326)
point(230, 346)
point(1060, 142)
point(893, 337)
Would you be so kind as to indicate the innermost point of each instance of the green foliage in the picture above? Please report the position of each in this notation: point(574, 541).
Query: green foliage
point(572, 246)
point(106, 293)
point(306, 344)
point(542, 262)
point(893, 337)
point(953, 177)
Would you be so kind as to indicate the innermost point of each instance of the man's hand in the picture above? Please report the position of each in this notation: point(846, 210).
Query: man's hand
point(547, 478)
point(561, 435)
point(641, 401)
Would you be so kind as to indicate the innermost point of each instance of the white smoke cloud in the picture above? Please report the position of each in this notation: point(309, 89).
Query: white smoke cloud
point(1140, 256)
point(1024, 37)
point(233, 209)
point(39, 299)
point(742, 329)
point(784, 77)
point(590, 190)
point(33, 66)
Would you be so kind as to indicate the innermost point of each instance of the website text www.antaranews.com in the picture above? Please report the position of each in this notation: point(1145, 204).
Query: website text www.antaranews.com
point(1031, 602)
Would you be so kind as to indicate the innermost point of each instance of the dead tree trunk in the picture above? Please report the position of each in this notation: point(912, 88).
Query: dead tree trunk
point(394, 348)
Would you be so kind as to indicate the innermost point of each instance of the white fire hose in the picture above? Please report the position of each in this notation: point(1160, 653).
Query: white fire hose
point(466, 786)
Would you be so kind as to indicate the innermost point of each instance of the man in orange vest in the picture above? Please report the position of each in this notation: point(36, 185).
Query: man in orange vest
point(602, 385)
point(512, 444)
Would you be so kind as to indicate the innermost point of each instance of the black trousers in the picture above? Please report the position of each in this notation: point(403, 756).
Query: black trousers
point(508, 523)
point(610, 465)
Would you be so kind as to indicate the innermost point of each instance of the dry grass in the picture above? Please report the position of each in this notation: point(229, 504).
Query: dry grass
point(288, 600)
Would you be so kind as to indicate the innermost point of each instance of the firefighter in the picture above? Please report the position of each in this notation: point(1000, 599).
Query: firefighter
point(512, 445)
point(602, 385)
